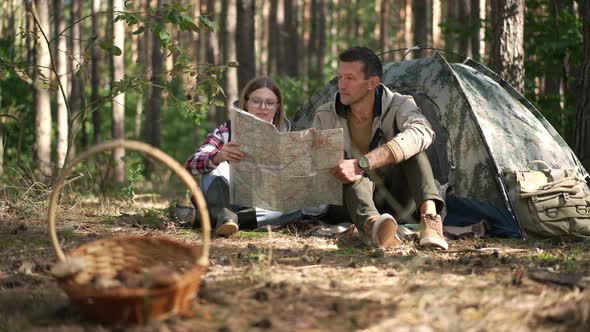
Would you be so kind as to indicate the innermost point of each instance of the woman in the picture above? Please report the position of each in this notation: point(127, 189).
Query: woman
point(261, 97)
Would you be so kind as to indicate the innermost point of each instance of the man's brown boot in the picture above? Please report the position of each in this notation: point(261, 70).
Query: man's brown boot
point(381, 230)
point(431, 232)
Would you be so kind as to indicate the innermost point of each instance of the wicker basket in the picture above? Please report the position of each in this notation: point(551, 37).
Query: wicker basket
point(106, 258)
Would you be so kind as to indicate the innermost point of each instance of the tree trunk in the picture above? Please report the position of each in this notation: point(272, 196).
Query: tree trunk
point(384, 33)
point(245, 42)
point(273, 39)
point(118, 99)
point(437, 18)
point(333, 12)
point(420, 24)
point(43, 99)
point(154, 103)
point(507, 58)
point(229, 55)
point(450, 20)
point(76, 96)
point(408, 15)
point(281, 61)
point(62, 75)
point(464, 15)
point(291, 39)
point(95, 106)
point(582, 146)
point(476, 33)
point(30, 43)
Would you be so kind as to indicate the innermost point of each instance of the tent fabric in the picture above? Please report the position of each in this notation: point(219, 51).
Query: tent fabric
point(483, 126)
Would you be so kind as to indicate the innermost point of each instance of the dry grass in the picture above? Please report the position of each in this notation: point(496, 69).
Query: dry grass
point(285, 282)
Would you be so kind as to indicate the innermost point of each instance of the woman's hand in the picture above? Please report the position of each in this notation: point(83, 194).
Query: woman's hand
point(229, 152)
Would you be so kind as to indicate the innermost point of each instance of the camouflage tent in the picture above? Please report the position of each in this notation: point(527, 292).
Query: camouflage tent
point(483, 126)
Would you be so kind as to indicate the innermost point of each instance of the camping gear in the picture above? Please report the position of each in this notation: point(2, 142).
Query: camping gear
point(169, 272)
point(550, 202)
point(482, 125)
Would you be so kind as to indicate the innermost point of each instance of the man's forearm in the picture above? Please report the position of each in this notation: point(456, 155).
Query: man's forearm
point(387, 154)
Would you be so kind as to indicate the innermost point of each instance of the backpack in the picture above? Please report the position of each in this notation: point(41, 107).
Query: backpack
point(549, 203)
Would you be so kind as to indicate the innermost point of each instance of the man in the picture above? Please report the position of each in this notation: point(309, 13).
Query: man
point(385, 136)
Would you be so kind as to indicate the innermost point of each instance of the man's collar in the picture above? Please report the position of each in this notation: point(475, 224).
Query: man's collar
point(342, 109)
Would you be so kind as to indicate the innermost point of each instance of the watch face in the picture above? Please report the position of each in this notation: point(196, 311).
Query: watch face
point(363, 162)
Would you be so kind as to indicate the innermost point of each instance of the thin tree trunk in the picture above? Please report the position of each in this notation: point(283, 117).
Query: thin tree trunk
point(334, 31)
point(95, 79)
point(312, 41)
point(229, 54)
point(153, 117)
point(321, 41)
point(305, 37)
point(437, 40)
point(118, 99)
point(245, 42)
point(75, 97)
point(408, 27)
point(273, 39)
point(476, 24)
point(582, 142)
point(464, 15)
point(450, 20)
point(384, 33)
point(43, 99)
point(62, 75)
point(507, 39)
point(420, 24)
point(281, 39)
point(264, 39)
point(290, 49)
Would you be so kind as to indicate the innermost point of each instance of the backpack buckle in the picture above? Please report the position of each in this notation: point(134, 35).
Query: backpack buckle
point(551, 213)
point(566, 197)
point(535, 199)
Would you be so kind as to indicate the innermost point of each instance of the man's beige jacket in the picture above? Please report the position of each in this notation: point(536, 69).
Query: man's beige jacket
point(405, 130)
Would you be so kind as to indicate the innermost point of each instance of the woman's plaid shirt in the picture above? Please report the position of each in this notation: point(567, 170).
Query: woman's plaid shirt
point(201, 161)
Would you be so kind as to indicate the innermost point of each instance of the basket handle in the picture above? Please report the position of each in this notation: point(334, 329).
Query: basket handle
point(151, 151)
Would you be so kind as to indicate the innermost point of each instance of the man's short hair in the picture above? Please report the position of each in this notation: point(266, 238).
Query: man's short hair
point(371, 62)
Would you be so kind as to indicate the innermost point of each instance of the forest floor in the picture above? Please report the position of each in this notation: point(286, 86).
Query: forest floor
point(288, 281)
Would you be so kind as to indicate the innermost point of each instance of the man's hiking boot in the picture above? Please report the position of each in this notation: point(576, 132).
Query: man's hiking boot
point(381, 230)
point(431, 232)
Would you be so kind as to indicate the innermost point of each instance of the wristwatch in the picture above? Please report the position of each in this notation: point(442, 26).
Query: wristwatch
point(363, 163)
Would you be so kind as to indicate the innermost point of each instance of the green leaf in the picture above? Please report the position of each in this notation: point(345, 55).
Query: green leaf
point(164, 37)
point(208, 23)
point(138, 31)
point(116, 51)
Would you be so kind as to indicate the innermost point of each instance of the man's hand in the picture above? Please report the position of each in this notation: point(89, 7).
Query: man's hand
point(229, 152)
point(347, 171)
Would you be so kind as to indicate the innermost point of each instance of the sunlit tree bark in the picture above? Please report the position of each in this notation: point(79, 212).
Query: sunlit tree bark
point(508, 41)
point(62, 75)
point(118, 99)
point(42, 95)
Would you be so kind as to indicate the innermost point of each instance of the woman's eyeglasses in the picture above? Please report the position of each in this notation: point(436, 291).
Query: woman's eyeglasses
point(258, 103)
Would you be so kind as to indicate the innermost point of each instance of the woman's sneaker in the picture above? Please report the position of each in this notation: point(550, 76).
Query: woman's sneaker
point(381, 230)
point(226, 227)
point(431, 232)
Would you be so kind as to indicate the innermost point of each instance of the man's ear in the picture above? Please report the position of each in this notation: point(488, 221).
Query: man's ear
point(374, 82)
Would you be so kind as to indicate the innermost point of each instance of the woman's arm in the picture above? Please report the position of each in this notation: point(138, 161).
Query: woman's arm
point(202, 161)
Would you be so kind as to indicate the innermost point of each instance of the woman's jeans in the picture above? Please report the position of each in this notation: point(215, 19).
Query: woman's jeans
point(215, 186)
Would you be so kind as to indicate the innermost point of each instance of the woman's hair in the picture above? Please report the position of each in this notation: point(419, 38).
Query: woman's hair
point(265, 82)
